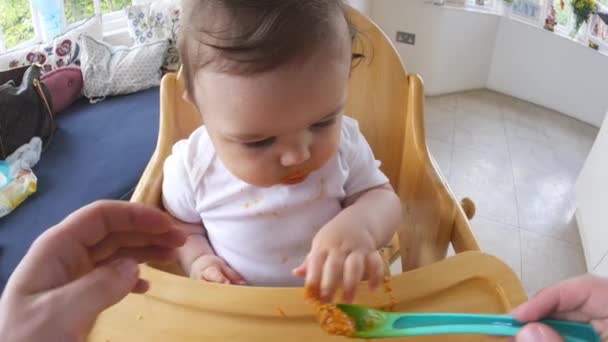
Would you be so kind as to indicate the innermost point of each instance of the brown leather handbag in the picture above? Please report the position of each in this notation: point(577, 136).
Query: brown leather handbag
point(25, 112)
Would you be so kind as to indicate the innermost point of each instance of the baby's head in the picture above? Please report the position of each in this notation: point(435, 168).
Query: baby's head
point(270, 78)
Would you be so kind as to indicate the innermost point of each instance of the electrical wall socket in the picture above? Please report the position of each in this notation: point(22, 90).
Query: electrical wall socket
point(406, 38)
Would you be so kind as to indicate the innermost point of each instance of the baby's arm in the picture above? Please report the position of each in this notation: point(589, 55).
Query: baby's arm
point(380, 211)
point(198, 259)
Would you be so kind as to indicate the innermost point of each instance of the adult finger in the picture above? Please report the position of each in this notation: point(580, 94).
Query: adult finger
point(103, 217)
point(144, 254)
point(573, 299)
point(354, 269)
point(141, 287)
point(116, 241)
point(536, 332)
point(374, 265)
point(86, 297)
point(332, 275)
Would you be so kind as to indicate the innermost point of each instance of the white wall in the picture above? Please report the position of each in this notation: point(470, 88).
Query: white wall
point(459, 50)
point(550, 70)
point(364, 6)
point(454, 48)
point(591, 199)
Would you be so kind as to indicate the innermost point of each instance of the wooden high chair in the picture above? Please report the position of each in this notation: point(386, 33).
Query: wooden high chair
point(389, 105)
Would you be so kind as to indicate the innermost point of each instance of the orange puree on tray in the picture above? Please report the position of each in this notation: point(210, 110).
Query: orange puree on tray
point(333, 320)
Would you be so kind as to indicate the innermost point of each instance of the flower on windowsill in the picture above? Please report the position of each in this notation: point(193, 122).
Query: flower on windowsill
point(594, 45)
point(583, 9)
point(550, 21)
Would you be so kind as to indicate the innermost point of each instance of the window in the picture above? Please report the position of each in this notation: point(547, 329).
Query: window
point(599, 25)
point(22, 23)
point(77, 10)
point(483, 4)
point(16, 24)
point(564, 17)
point(529, 10)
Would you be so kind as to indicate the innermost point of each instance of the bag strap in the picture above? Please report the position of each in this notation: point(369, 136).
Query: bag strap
point(40, 91)
point(2, 144)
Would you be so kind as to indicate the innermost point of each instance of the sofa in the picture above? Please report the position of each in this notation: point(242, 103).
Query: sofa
point(98, 152)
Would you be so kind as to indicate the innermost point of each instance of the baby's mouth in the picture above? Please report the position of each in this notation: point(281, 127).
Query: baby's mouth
point(297, 177)
point(294, 179)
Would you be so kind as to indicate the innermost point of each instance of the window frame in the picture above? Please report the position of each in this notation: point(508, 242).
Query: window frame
point(564, 30)
point(492, 6)
point(602, 43)
point(113, 22)
point(538, 20)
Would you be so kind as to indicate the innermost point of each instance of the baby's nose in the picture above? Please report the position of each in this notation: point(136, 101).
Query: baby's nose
point(295, 155)
point(297, 151)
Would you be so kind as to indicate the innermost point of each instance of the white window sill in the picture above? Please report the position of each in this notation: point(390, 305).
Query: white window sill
point(603, 50)
point(495, 10)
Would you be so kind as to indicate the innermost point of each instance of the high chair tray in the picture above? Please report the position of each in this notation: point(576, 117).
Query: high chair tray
point(180, 309)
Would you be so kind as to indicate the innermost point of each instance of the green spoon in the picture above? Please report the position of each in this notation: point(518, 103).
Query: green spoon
point(372, 323)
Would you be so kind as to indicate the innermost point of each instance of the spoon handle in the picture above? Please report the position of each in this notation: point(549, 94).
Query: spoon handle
point(499, 325)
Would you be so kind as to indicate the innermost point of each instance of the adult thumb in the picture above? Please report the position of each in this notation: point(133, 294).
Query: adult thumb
point(85, 298)
point(536, 332)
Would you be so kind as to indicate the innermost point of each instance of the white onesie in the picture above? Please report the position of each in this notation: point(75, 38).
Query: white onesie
point(263, 233)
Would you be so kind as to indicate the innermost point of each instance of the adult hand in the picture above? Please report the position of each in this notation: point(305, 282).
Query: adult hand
point(582, 299)
point(82, 266)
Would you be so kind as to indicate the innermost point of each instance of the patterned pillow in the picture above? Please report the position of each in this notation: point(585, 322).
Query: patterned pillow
point(64, 50)
point(64, 86)
point(109, 70)
point(151, 22)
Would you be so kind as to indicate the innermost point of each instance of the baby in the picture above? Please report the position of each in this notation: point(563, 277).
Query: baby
point(278, 185)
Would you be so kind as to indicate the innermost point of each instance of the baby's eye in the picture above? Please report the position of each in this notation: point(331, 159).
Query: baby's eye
point(261, 143)
point(325, 123)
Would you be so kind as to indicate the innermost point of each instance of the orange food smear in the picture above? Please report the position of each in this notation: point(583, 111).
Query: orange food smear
point(333, 320)
point(389, 291)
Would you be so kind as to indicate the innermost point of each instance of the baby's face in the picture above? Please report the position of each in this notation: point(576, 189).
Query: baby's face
point(276, 127)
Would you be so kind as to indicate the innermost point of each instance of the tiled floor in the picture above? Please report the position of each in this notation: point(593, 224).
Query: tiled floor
point(519, 163)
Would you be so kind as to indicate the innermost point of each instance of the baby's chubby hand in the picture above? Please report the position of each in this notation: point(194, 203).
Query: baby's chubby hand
point(214, 269)
point(342, 254)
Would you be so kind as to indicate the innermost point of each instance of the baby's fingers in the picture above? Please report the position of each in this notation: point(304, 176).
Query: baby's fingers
point(314, 270)
point(375, 270)
point(214, 274)
point(354, 269)
point(231, 274)
point(301, 270)
point(332, 275)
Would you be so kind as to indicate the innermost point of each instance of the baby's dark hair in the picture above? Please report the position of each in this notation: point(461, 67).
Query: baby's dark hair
point(253, 36)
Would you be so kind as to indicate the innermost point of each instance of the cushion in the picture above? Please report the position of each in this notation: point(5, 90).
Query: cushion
point(62, 51)
point(149, 22)
point(64, 86)
point(109, 70)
